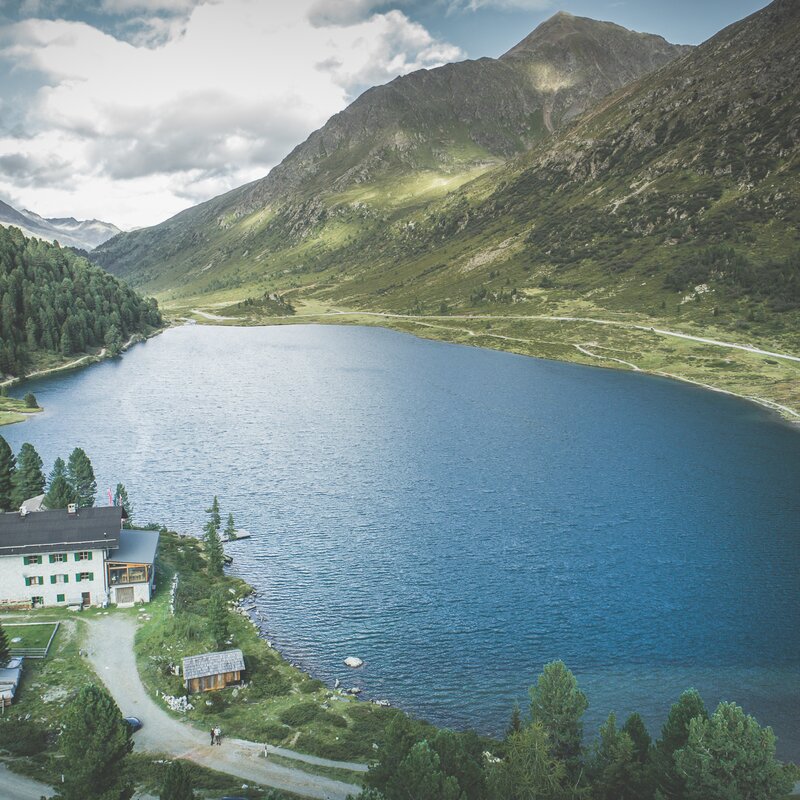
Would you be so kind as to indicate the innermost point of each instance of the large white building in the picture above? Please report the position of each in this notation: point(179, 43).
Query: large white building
point(74, 557)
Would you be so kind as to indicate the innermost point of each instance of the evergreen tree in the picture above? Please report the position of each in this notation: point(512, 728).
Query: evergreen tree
point(213, 549)
point(230, 528)
point(558, 705)
point(218, 620)
point(60, 492)
point(398, 739)
point(81, 477)
point(515, 724)
point(420, 777)
point(28, 479)
point(529, 770)
point(121, 499)
point(674, 736)
point(94, 743)
point(614, 764)
point(30, 400)
point(177, 783)
point(5, 648)
point(731, 757)
point(214, 515)
point(642, 742)
point(461, 757)
point(7, 466)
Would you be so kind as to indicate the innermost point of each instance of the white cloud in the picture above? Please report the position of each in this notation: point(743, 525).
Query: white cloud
point(216, 104)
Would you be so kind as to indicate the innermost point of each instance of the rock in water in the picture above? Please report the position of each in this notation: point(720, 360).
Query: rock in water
point(352, 661)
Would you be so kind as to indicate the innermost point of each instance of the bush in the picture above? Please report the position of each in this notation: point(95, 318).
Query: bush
point(273, 732)
point(301, 714)
point(212, 702)
point(268, 682)
point(22, 738)
point(311, 685)
point(30, 400)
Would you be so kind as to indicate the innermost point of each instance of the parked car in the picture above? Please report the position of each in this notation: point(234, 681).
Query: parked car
point(134, 723)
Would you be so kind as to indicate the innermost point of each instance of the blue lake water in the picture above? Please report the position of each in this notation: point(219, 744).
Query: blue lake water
point(457, 517)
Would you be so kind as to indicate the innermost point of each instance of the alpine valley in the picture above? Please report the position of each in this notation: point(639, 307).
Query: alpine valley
point(591, 175)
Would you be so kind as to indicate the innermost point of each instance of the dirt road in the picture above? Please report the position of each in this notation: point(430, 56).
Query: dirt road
point(110, 648)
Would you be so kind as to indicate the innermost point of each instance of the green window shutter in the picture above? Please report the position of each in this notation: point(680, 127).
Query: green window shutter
point(66, 579)
point(25, 560)
point(91, 576)
point(52, 579)
point(59, 598)
point(77, 578)
point(77, 557)
point(90, 555)
point(27, 581)
point(52, 558)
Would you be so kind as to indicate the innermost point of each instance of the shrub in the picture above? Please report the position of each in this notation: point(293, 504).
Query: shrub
point(311, 685)
point(301, 714)
point(212, 702)
point(22, 738)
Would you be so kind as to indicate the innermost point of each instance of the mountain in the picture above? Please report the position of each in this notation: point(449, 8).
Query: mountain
point(395, 148)
point(70, 232)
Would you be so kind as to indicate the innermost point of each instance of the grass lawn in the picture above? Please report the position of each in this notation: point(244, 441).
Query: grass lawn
point(32, 635)
point(13, 410)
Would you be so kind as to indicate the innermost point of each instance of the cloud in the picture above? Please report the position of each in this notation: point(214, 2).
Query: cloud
point(147, 126)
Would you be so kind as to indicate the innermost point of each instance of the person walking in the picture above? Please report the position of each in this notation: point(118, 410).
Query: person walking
point(218, 735)
point(213, 733)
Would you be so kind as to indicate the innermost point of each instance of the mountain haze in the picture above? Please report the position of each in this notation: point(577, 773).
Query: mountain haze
point(409, 141)
point(68, 231)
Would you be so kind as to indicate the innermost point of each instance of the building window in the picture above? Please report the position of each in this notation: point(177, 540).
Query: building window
point(34, 580)
point(57, 558)
point(59, 579)
point(37, 600)
point(85, 576)
point(27, 560)
point(83, 555)
point(59, 598)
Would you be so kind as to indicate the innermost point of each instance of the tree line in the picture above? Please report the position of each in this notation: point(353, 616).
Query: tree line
point(22, 477)
point(726, 755)
point(52, 301)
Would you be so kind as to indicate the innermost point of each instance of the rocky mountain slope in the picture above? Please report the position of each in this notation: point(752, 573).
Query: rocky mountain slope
point(397, 146)
point(68, 231)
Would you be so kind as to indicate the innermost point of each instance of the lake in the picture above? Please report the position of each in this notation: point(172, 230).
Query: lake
point(457, 517)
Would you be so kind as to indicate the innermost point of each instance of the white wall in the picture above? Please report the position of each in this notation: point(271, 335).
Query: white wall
point(13, 572)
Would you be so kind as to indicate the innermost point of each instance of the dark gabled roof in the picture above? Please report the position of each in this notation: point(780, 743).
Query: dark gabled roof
point(47, 531)
point(213, 664)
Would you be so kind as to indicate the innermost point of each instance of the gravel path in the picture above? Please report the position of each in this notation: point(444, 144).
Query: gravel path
point(110, 649)
point(18, 787)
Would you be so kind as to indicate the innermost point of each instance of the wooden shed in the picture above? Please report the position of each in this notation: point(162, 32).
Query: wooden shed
point(210, 671)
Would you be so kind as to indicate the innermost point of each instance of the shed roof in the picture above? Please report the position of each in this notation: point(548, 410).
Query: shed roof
point(35, 503)
point(43, 531)
point(212, 664)
point(136, 547)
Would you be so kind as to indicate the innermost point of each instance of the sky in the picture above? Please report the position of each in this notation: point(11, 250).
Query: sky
point(132, 110)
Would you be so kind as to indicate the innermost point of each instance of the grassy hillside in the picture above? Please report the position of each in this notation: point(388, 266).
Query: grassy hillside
point(671, 204)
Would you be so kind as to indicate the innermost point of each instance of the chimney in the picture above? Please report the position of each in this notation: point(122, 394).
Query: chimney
point(72, 510)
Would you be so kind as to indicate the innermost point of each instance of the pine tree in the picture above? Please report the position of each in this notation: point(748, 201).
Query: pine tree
point(515, 724)
point(213, 512)
point(121, 499)
point(419, 776)
point(213, 548)
point(558, 704)
point(729, 756)
point(177, 783)
point(5, 648)
point(674, 736)
point(614, 764)
point(230, 528)
point(94, 743)
point(28, 479)
point(7, 466)
point(60, 492)
point(81, 476)
point(218, 620)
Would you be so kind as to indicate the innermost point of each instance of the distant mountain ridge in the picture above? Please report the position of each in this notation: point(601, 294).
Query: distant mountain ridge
point(447, 124)
point(68, 231)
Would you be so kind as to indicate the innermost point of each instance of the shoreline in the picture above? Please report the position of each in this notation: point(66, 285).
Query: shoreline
point(784, 412)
